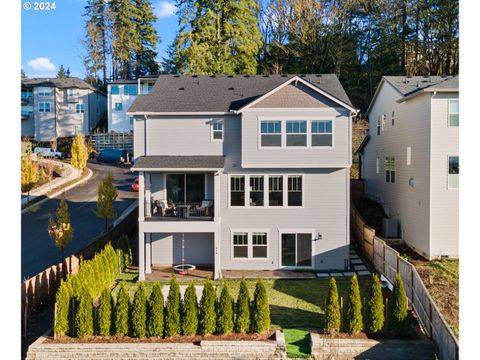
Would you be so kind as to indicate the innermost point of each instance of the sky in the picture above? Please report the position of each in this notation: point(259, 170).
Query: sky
point(52, 38)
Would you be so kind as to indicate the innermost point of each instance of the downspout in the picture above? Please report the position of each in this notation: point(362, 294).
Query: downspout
point(145, 136)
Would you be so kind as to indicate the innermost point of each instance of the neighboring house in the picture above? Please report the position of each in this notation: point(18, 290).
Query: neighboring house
point(121, 95)
point(411, 160)
point(59, 107)
point(244, 172)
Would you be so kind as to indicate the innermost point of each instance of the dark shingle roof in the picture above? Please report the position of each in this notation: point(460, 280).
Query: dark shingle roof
point(222, 93)
point(71, 82)
point(450, 84)
point(408, 85)
point(179, 162)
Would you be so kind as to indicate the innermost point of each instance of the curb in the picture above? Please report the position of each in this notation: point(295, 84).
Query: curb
point(60, 191)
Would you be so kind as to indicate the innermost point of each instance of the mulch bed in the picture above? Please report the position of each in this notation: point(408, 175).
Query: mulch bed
point(174, 339)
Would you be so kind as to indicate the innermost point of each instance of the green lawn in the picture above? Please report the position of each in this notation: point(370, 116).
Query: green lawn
point(298, 343)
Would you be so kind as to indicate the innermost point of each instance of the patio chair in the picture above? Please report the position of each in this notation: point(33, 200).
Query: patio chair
point(205, 208)
point(162, 208)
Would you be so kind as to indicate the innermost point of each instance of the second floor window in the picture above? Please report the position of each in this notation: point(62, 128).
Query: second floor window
point(217, 130)
point(114, 90)
point(378, 125)
point(296, 133)
point(237, 191)
point(44, 107)
point(275, 190)
point(393, 118)
point(322, 133)
point(453, 113)
point(80, 108)
point(118, 107)
point(453, 172)
point(73, 92)
point(256, 191)
point(44, 91)
point(26, 93)
point(130, 89)
point(295, 191)
point(271, 133)
point(390, 169)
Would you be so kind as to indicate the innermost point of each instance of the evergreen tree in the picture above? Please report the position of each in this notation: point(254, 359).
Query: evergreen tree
point(84, 316)
point(67, 73)
point(107, 194)
point(60, 229)
point(22, 74)
point(79, 152)
point(29, 174)
point(172, 312)
point(139, 312)
point(354, 308)
point(147, 39)
point(375, 307)
point(105, 313)
point(62, 309)
point(121, 311)
point(242, 318)
point(332, 312)
point(399, 308)
point(155, 317)
point(225, 312)
point(61, 73)
point(260, 310)
point(190, 311)
point(207, 309)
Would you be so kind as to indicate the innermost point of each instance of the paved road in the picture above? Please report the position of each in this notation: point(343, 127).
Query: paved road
point(38, 249)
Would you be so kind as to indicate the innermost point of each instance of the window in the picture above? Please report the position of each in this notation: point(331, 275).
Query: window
point(44, 91)
point(275, 190)
point(383, 121)
point(26, 93)
point(114, 90)
point(296, 133)
point(453, 113)
point(217, 129)
point(453, 172)
point(378, 125)
point(237, 191)
point(72, 92)
point(259, 245)
point(240, 245)
point(131, 119)
point(44, 107)
point(118, 107)
point(409, 155)
point(80, 108)
point(256, 191)
point(378, 166)
point(271, 133)
point(130, 89)
point(390, 169)
point(393, 118)
point(322, 134)
point(295, 191)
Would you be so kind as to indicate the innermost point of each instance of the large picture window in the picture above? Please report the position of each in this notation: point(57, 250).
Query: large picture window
point(453, 172)
point(275, 190)
point(240, 245)
point(237, 191)
point(271, 133)
point(322, 133)
point(296, 133)
point(256, 191)
point(453, 113)
point(295, 191)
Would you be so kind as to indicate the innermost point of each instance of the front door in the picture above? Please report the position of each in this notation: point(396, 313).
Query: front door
point(185, 188)
point(297, 249)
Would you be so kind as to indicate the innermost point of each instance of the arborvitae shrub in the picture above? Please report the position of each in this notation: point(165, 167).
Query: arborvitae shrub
point(399, 308)
point(332, 312)
point(207, 309)
point(242, 318)
point(190, 311)
point(375, 308)
point(260, 309)
point(84, 316)
point(225, 312)
point(172, 312)
point(121, 264)
point(139, 312)
point(155, 312)
point(121, 311)
point(354, 308)
point(62, 310)
point(126, 250)
point(104, 313)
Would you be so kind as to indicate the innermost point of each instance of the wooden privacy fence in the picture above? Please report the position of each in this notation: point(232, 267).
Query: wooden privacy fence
point(388, 262)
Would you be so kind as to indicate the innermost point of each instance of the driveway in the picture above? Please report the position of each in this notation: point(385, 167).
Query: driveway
point(38, 249)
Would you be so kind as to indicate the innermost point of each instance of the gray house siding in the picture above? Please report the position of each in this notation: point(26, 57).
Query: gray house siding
point(28, 127)
point(44, 121)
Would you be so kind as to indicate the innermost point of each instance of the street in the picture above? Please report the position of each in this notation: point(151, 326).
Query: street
point(39, 250)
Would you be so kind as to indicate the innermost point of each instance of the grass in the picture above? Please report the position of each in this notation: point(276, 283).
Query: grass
point(298, 343)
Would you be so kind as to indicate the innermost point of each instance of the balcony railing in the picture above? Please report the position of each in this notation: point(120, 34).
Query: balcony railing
point(192, 211)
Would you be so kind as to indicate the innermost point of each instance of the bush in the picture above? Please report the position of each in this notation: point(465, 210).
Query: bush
point(172, 312)
point(332, 312)
point(121, 311)
point(139, 312)
point(399, 308)
point(242, 319)
point(375, 309)
point(62, 309)
point(126, 251)
point(190, 311)
point(105, 313)
point(207, 309)
point(155, 312)
point(260, 309)
point(354, 308)
point(225, 312)
point(84, 316)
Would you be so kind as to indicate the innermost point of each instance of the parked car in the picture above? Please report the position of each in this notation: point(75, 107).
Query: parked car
point(49, 153)
point(135, 185)
point(113, 156)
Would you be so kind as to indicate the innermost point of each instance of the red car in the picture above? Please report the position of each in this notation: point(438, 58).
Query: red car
point(135, 185)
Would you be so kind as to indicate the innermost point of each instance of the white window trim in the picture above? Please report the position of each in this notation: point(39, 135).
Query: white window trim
point(332, 133)
point(45, 102)
point(296, 231)
point(115, 106)
point(249, 232)
point(42, 94)
point(266, 188)
point(307, 123)
point(448, 113)
point(215, 121)
point(77, 106)
point(448, 174)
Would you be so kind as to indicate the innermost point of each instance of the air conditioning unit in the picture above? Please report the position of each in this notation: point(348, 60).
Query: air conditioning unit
point(390, 228)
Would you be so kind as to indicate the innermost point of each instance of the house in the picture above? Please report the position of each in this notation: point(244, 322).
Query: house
point(410, 162)
point(59, 107)
point(244, 172)
point(121, 95)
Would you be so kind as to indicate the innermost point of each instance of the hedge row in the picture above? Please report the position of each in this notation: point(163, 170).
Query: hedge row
point(144, 317)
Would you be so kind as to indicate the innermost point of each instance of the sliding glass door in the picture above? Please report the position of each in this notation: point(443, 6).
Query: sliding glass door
point(297, 249)
point(182, 188)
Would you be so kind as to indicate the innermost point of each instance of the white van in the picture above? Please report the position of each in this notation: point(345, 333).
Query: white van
point(48, 153)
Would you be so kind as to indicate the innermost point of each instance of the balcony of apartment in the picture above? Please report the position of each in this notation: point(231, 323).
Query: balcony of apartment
point(26, 97)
